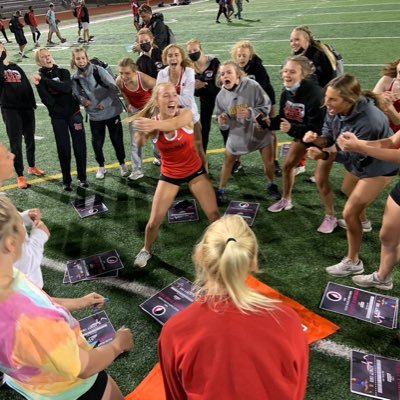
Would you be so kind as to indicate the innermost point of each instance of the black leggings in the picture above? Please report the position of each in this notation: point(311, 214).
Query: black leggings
point(206, 112)
point(222, 10)
point(97, 390)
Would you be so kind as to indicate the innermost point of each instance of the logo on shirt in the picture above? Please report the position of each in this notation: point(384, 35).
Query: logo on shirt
point(294, 111)
point(11, 75)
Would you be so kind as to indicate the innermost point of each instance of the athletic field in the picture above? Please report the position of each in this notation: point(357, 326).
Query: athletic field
point(293, 254)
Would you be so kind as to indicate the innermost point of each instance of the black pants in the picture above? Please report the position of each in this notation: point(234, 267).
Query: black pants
point(98, 129)
point(222, 10)
point(20, 123)
point(3, 31)
point(63, 128)
point(206, 112)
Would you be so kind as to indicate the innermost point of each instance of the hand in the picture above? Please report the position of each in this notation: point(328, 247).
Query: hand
point(35, 79)
point(315, 153)
point(222, 119)
point(86, 103)
point(140, 138)
point(348, 141)
point(92, 299)
point(136, 47)
point(145, 124)
point(39, 224)
point(310, 137)
point(123, 339)
point(198, 84)
point(34, 214)
point(100, 106)
point(285, 125)
point(388, 97)
point(131, 109)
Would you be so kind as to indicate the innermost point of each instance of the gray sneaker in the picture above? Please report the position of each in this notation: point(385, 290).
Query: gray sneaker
point(346, 267)
point(366, 225)
point(123, 169)
point(136, 174)
point(100, 173)
point(141, 259)
point(372, 280)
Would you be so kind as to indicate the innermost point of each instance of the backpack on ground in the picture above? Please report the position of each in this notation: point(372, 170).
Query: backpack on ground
point(26, 18)
point(334, 57)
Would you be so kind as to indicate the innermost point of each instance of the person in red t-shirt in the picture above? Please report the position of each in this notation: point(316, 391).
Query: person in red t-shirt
point(3, 31)
point(172, 131)
point(232, 342)
point(135, 12)
point(136, 88)
point(33, 24)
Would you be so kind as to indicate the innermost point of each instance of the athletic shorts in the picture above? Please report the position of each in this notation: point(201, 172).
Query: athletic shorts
point(20, 38)
point(53, 28)
point(395, 194)
point(98, 388)
point(85, 25)
point(181, 181)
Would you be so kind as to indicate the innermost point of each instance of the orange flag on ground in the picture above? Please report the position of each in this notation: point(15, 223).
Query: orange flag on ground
point(315, 327)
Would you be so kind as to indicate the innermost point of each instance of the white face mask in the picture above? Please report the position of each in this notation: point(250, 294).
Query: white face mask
point(293, 87)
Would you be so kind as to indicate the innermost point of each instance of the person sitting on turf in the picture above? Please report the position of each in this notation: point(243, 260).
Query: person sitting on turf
point(349, 109)
point(232, 342)
point(54, 86)
point(43, 353)
point(238, 104)
point(388, 150)
point(299, 111)
point(172, 131)
point(32, 251)
point(97, 92)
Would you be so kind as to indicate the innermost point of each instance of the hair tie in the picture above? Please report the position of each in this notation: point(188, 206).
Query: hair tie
point(229, 240)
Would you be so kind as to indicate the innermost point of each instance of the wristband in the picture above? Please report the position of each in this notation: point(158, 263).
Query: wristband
point(325, 155)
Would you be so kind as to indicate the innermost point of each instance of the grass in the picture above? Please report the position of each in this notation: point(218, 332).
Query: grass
point(292, 254)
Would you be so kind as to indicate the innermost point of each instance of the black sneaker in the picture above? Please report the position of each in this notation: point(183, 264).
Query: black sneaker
point(67, 188)
point(273, 191)
point(236, 167)
point(278, 171)
point(83, 184)
point(221, 199)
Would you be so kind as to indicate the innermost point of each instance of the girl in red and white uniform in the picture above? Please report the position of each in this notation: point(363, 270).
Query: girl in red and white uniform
point(136, 89)
point(172, 131)
point(182, 76)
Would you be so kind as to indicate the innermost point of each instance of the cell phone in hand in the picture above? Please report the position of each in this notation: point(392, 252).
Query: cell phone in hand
point(261, 122)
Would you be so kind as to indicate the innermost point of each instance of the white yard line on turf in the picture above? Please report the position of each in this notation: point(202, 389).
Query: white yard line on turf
point(128, 286)
point(325, 346)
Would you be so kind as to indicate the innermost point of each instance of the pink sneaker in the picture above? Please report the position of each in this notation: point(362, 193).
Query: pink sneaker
point(282, 204)
point(328, 224)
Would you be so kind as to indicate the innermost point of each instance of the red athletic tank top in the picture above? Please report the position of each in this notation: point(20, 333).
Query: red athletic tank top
point(137, 98)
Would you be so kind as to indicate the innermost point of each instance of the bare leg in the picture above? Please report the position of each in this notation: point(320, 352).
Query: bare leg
point(363, 194)
point(162, 200)
point(390, 239)
point(348, 184)
point(267, 156)
point(203, 191)
point(322, 170)
point(112, 391)
point(229, 160)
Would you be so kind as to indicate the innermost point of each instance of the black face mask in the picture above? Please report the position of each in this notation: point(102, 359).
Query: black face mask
point(3, 55)
point(146, 47)
point(84, 68)
point(195, 56)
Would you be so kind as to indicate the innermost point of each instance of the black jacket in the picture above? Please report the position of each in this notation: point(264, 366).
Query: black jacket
point(208, 75)
point(159, 30)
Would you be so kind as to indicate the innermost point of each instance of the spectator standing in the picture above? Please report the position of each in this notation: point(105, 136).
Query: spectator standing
point(53, 25)
point(222, 10)
point(154, 22)
point(54, 86)
point(2, 30)
point(82, 14)
point(33, 24)
point(17, 28)
point(18, 111)
point(135, 13)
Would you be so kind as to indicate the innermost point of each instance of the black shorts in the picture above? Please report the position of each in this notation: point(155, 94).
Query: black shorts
point(180, 181)
point(98, 388)
point(395, 194)
point(20, 38)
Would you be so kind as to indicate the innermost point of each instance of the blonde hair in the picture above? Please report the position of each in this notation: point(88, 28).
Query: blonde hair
point(186, 62)
point(239, 72)
point(305, 65)
point(195, 41)
point(223, 258)
point(38, 54)
point(78, 50)
point(127, 62)
point(151, 106)
point(10, 221)
point(242, 44)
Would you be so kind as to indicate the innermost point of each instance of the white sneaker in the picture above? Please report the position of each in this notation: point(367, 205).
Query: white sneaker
point(372, 280)
point(156, 161)
point(141, 259)
point(136, 174)
point(300, 170)
point(366, 225)
point(100, 173)
point(124, 170)
point(346, 267)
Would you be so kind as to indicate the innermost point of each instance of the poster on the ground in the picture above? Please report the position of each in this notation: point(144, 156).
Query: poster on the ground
point(89, 206)
point(111, 274)
point(245, 209)
point(183, 211)
point(169, 301)
point(375, 376)
point(97, 329)
point(96, 266)
point(375, 308)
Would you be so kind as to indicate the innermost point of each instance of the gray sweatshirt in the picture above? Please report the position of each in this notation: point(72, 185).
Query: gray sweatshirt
point(97, 94)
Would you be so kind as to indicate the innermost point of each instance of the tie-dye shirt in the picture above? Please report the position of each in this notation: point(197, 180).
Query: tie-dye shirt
point(39, 344)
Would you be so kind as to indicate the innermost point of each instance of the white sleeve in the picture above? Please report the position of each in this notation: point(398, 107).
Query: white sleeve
point(186, 97)
point(26, 218)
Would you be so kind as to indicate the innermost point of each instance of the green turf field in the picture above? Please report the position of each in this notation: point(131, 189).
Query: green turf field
point(292, 254)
